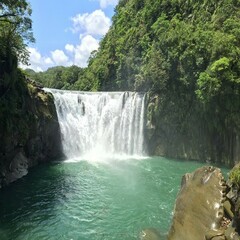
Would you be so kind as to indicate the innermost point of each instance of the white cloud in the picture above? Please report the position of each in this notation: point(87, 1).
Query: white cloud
point(35, 56)
point(48, 60)
point(95, 23)
point(77, 55)
point(69, 48)
point(82, 52)
point(105, 3)
point(60, 58)
point(90, 27)
point(37, 62)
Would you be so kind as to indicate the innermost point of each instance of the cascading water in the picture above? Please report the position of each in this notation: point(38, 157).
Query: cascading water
point(102, 124)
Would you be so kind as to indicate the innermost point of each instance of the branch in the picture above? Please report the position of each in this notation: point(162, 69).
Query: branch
point(10, 21)
point(8, 15)
point(6, 20)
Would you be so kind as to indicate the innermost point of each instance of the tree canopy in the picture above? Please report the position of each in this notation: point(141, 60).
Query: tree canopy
point(58, 77)
point(15, 34)
point(159, 45)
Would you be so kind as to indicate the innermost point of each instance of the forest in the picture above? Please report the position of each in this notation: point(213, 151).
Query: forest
point(162, 45)
point(190, 48)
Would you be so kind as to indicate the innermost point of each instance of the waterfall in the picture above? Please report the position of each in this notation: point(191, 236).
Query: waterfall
point(101, 124)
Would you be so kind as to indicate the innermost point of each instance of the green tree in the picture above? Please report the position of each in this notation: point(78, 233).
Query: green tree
point(15, 33)
point(16, 26)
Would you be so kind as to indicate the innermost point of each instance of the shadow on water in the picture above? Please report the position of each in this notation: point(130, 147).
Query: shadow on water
point(31, 200)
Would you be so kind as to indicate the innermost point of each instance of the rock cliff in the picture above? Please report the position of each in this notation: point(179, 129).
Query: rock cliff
point(186, 132)
point(29, 133)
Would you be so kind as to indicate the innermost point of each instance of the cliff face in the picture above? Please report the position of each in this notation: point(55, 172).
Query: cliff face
point(29, 135)
point(177, 131)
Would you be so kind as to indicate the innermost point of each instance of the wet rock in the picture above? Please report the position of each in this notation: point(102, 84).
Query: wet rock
point(32, 136)
point(228, 209)
point(17, 168)
point(231, 234)
point(198, 207)
point(232, 194)
point(212, 234)
point(219, 238)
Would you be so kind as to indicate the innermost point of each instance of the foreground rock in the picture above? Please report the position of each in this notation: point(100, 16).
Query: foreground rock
point(206, 207)
point(30, 135)
point(199, 205)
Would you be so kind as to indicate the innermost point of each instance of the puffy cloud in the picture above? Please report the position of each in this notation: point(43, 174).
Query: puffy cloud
point(69, 48)
point(60, 58)
point(105, 3)
point(37, 62)
point(35, 56)
point(84, 49)
point(77, 55)
point(95, 23)
point(90, 27)
point(48, 61)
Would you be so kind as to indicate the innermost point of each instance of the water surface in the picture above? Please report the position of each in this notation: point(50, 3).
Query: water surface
point(84, 200)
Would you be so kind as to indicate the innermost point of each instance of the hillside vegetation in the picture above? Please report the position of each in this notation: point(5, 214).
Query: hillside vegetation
point(162, 44)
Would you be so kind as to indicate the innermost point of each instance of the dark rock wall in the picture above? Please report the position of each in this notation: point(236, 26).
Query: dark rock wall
point(176, 131)
point(33, 136)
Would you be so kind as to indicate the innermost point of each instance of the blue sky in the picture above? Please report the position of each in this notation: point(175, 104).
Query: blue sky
point(67, 31)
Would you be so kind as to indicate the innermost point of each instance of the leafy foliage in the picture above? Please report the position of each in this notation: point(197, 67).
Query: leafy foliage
point(15, 28)
point(57, 77)
point(234, 175)
point(15, 33)
point(186, 51)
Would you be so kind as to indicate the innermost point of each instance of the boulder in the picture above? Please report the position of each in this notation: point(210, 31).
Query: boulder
point(18, 168)
point(199, 205)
